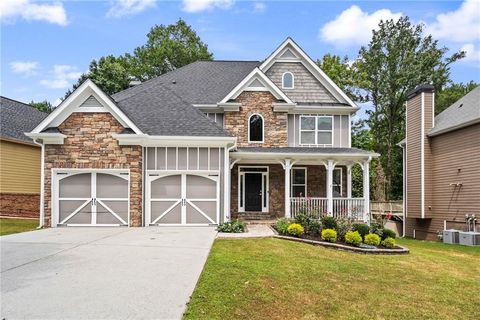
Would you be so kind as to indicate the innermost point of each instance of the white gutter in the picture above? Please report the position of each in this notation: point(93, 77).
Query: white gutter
point(42, 185)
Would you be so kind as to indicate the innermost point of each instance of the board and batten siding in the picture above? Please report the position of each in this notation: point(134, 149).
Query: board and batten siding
point(341, 130)
point(19, 168)
point(306, 87)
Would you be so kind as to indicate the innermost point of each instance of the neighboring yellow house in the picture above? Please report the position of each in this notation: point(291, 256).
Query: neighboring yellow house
point(19, 160)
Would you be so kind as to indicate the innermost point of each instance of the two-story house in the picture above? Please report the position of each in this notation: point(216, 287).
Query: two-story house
point(208, 142)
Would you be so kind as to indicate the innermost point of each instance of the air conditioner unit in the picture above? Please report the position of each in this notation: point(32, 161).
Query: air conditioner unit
point(469, 238)
point(450, 236)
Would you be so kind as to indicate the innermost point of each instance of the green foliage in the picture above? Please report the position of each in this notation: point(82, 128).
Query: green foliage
point(450, 94)
point(282, 225)
point(329, 235)
point(314, 227)
point(388, 233)
point(372, 239)
point(295, 230)
point(343, 226)
point(235, 226)
point(168, 47)
point(399, 57)
point(353, 238)
point(388, 243)
point(362, 228)
point(329, 222)
point(376, 226)
point(43, 106)
point(303, 219)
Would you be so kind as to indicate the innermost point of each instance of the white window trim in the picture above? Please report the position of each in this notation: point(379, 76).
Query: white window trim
point(283, 80)
point(315, 131)
point(341, 181)
point(265, 179)
point(298, 184)
point(263, 128)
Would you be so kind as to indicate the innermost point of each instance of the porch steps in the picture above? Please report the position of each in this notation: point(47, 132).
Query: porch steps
point(260, 222)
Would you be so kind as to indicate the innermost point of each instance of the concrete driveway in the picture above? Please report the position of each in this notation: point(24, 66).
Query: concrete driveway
point(102, 273)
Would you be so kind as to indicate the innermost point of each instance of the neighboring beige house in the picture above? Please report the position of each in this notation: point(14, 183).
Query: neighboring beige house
point(205, 143)
point(19, 159)
point(441, 163)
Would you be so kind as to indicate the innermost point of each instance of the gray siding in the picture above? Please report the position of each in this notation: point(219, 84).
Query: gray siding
point(306, 87)
point(341, 130)
point(91, 102)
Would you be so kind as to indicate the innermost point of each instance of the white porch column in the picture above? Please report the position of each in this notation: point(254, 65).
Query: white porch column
point(330, 166)
point(349, 180)
point(287, 166)
point(366, 190)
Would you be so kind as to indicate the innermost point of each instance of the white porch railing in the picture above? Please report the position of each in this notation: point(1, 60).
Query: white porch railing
point(353, 208)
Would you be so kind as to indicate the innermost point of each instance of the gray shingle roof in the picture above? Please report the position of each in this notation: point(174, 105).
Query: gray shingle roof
point(201, 82)
point(464, 112)
point(17, 117)
point(157, 110)
point(325, 150)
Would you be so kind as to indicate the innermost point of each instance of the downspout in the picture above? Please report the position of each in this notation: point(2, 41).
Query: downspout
point(227, 181)
point(42, 184)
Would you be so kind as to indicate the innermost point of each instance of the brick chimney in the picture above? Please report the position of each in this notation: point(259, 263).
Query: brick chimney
point(419, 121)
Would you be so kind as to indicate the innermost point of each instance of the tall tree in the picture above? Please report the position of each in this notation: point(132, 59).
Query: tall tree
point(44, 106)
point(398, 58)
point(168, 47)
point(450, 94)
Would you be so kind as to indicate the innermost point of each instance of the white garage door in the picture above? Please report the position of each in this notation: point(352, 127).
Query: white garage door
point(91, 198)
point(183, 199)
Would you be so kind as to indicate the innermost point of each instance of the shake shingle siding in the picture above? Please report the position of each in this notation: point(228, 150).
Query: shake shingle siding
point(306, 87)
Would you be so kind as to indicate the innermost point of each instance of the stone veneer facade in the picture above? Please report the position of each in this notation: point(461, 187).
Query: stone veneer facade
point(275, 123)
point(89, 144)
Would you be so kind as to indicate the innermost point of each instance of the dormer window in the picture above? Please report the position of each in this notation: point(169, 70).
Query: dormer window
point(287, 80)
point(255, 128)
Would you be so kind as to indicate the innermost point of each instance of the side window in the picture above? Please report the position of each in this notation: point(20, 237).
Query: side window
point(287, 80)
point(299, 182)
point(337, 182)
point(255, 128)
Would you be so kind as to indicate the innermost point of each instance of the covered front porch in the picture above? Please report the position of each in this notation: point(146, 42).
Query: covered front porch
point(272, 183)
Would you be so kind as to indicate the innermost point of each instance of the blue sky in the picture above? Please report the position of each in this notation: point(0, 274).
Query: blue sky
point(45, 45)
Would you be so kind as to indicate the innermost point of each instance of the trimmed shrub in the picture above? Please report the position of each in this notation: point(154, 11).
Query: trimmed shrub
point(353, 237)
point(388, 233)
point(377, 228)
point(295, 230)
point(313, 227)
point(329, 222)
point(303, 219)
point(235, 226)
point(372, 239)
point(362, 228)
point(389, 243)
point(282, 225)
point(343, 226)
point(329, 235)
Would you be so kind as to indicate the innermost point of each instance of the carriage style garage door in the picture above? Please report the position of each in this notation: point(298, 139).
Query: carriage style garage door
point(96, 198)
point(182, 199)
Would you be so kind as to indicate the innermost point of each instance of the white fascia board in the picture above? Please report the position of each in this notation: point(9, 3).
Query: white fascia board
point(309, 64)
point(243, 85)
point(305, 156)
point(174, 141)
point(230, 106)
point(47, 138)
point(75, 99)
point(283, 107)
point(325, 109)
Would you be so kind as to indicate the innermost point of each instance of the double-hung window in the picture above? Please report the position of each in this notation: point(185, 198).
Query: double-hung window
point(299, 182)
point(316, 130)
point(337, 182)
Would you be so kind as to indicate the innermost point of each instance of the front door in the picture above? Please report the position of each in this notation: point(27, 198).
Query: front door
point(253, 191)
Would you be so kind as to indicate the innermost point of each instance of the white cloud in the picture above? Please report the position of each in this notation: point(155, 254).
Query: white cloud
point(259, 7)
point(56, 102)
point(26, 68)
point(354, 26)
point(52, 13)
point(193, 6)
point(472, 52)
point(122, 8)
point(62, 77)
point(461, 25)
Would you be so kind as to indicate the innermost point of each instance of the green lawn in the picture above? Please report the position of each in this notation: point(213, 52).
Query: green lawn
point(278, 279)
point(9, 226)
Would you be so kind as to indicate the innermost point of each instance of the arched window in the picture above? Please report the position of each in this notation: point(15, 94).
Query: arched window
point(255, 128)
point(287, 80)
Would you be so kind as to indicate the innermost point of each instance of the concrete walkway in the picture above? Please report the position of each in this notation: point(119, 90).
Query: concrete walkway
point(253, 231)
point(102, 273)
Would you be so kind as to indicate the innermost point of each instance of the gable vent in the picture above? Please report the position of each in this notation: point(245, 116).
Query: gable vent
point(91, 102)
